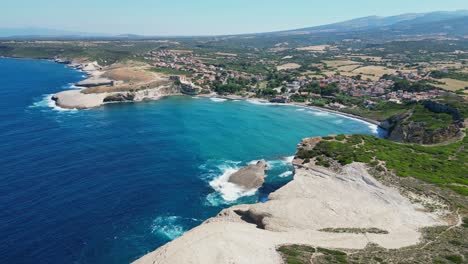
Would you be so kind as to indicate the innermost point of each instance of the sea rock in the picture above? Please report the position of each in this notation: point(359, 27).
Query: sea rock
point(251, 176)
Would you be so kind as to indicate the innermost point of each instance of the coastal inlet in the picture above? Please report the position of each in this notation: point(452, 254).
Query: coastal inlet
point(115, 182)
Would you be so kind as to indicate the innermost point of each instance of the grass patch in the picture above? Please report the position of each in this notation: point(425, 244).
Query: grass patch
point(169, 71)
point(296, 254)
point(355, 230)
point(432, 120)
point(444, 166)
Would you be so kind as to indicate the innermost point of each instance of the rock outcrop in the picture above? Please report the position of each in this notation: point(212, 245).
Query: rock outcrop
point(76, 99)
point(402, 129)
point(417, 132)
point(318, 199)
point(251, 176)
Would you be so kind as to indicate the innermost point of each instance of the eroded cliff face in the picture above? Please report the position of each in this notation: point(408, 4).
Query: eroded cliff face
point(143, 94)
point(76, 99)
point(308, 210)
point(402, 129)
point(417, 132)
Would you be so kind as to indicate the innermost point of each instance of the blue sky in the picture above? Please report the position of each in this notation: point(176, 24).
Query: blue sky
point(201, 17)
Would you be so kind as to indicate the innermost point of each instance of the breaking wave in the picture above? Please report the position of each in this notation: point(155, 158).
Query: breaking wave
point(168, 226)
point(286, 174)
point(218, 100)
point(47, 102)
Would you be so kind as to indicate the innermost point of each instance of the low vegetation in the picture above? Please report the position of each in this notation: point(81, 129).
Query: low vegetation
point(444, 166)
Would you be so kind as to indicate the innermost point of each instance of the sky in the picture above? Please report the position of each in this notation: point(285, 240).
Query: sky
point(201, 17)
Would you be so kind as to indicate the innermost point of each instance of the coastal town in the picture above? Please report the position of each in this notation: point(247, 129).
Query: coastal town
point(324, 87)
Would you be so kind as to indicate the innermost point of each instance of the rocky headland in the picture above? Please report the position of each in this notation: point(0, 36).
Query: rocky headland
point(330, 206)
point(121, 82)
point(402, 128)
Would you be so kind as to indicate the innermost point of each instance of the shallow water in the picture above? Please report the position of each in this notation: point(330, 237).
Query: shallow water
point(108, 185)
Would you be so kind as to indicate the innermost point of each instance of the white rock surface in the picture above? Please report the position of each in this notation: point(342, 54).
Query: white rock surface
point(316, 199)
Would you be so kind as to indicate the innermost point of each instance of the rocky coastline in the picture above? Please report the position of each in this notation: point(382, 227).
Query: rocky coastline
point(307, 211)
point(113, 85)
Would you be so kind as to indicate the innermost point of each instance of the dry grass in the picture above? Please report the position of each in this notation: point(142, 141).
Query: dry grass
point(339, 63)
point(348, 68)
point(288, 66)
point(125, 88)
point(226, 54)
point(181, 51)
point(317, 48)
point(370, 58)
point(452, 84)
point(374, 70)
point(129, 75)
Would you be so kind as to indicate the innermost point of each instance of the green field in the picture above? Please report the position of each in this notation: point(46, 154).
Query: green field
point(444, 166)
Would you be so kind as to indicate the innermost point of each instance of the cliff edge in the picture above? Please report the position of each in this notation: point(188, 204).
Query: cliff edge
point(327, 206)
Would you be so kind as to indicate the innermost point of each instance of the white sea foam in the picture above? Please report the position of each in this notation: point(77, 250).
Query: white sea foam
point(318, 113)
point(218, 100)
point(47, 102)
point(338, 121)
point(167, 226)
point(374, 128)
point(259, 102)
point(300, 109)
point(284, 161)
point(217, 178)
point(229, 191)
point(285, 174)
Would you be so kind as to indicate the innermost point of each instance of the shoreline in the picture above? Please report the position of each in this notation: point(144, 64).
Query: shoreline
point(228, 97)
point(295, 104)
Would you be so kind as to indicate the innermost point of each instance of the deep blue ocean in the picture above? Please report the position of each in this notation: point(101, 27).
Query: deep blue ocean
point(108, 185)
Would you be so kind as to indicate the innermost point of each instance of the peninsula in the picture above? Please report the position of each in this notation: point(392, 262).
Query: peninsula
point(359, 206)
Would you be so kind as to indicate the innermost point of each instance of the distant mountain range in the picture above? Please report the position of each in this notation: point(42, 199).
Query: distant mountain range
point(441, 22)
point(376, 22)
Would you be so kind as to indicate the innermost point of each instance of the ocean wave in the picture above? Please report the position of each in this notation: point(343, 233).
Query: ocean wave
point(230, 192)
point(260, 102)
point(338, 121)
point(318, 113)
point(283, 161)
point(168, 226)
point(217, 175)
point(218, 100)
point(47, 102)
point(374, 128)
point(285, 174)
point(300, 109)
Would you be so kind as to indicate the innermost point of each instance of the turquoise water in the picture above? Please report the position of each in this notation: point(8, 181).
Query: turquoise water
point(108, 185)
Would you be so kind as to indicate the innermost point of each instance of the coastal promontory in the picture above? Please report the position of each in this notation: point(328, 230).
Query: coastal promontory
point(334, 201)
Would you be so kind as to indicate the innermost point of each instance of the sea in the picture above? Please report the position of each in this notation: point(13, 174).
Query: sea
point(110, 184)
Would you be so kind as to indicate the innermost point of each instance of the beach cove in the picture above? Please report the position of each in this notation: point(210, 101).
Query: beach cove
point(118, 181)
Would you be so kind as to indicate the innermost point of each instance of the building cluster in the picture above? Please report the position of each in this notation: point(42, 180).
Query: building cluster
point(399, 96)
point(201, 73)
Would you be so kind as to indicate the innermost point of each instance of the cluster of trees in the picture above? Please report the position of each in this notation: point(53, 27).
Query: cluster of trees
point(328, 90)
point(408, 86)
point(232, 85)
point(268, 92)
point(450, 74)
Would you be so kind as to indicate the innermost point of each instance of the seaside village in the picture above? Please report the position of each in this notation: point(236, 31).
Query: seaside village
point(198, 77)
